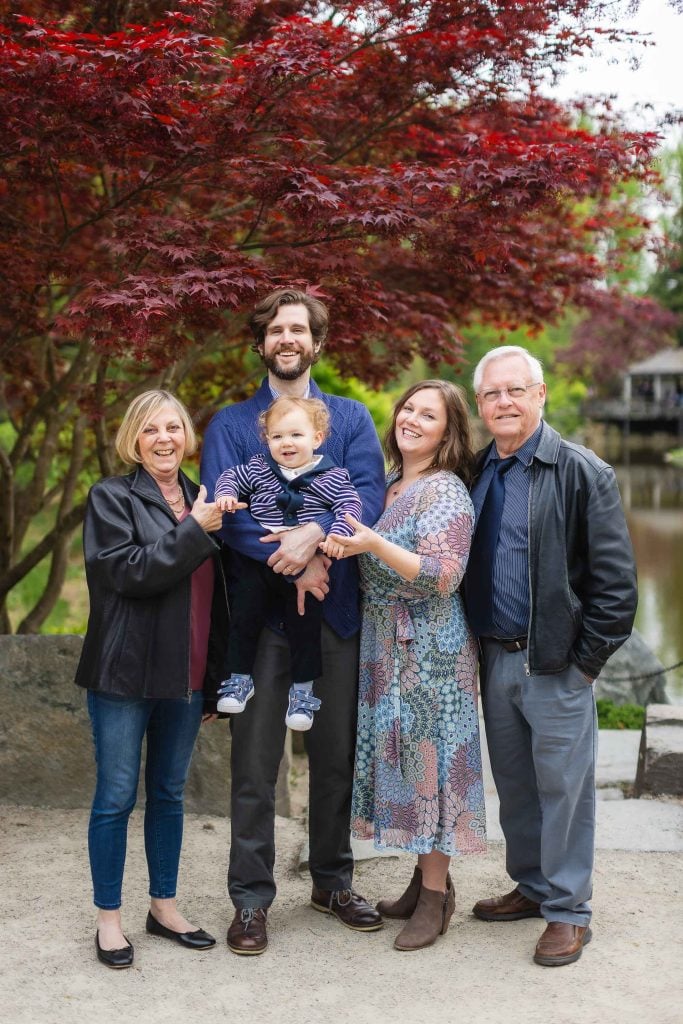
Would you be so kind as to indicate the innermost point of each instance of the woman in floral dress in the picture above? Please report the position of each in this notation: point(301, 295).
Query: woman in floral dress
point(418, 784)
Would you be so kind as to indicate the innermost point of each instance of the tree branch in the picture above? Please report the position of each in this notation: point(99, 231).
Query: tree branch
point(53, 175)
point(80, 365)
point(60, 553)
point(305, 243)
point(55, 581)
point(32, 558)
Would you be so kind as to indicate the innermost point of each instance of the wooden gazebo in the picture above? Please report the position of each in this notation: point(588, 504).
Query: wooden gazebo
point(652, 397)
point(657, 381)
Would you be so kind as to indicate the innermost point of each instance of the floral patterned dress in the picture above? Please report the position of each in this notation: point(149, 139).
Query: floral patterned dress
point(418, 782)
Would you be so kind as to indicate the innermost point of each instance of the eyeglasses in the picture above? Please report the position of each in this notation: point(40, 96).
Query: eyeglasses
point(516, 391)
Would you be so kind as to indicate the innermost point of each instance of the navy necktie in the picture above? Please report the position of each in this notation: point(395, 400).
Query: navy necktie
point(479, 578)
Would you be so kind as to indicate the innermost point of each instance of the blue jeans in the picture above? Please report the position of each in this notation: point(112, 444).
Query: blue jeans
point(119, 725)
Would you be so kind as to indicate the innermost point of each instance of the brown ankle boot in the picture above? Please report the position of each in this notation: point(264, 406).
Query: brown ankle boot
point(404, 906)
point(429, 920)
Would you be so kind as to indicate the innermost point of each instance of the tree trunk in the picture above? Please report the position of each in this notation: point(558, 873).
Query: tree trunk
point(5, 624)
point(55, 581)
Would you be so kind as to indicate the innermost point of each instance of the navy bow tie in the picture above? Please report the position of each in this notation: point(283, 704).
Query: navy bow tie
point(290, 501)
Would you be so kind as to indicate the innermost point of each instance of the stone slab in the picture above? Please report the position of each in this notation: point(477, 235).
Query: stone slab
point(645, 825)
point(660, 760)
point(622, 824)
point(617, 756)
point(46, 755)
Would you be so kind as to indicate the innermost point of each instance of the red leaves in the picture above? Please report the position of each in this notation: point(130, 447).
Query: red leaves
point(399, 155)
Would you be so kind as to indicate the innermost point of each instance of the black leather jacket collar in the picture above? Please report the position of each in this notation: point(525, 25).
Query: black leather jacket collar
point(582, 578)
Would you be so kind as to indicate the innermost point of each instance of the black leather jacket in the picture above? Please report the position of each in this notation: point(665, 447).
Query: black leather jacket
point(582, 574)
point(139, 561)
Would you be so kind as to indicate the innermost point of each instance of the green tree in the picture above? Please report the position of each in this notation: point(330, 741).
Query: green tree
point(666, 284)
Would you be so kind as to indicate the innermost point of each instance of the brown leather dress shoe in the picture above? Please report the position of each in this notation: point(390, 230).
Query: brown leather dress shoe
point(513, 906)
point(247, 933)
point(561, 944)
point(348, 907)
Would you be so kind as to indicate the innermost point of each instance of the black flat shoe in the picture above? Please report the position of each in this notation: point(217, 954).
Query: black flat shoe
point(198, 939)
point(116, 958)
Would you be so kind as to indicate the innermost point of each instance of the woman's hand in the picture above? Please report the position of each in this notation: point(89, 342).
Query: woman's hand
point(363, 539)
point(209, 716)
point(207, 513)
point(406, 563)
point(331, 548)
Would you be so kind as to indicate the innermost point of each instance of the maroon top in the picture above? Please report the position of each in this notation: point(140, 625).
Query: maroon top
point(200, 617)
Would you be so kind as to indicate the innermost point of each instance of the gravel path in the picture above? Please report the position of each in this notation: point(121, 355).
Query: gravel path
point(314, 969)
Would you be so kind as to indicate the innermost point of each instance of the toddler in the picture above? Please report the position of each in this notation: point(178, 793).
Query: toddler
point(284, 489)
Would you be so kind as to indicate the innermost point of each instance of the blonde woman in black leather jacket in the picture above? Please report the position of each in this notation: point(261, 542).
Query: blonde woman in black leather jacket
point(151, 659)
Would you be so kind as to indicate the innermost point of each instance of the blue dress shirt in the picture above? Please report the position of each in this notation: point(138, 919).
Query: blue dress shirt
point(511, 569)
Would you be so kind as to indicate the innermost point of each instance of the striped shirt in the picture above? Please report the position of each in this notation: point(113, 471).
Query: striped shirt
point(511, 605)
point(329, 491)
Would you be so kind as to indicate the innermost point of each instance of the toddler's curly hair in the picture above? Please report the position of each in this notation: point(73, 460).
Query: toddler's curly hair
point(316, 411)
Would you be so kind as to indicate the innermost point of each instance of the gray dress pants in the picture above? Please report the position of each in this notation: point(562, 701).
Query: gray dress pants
point(258, 736)
point(541, 732)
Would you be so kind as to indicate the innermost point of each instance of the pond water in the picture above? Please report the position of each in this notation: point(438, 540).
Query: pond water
point(653, 499)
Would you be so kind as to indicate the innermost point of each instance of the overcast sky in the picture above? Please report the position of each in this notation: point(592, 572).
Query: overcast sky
point(657, 80)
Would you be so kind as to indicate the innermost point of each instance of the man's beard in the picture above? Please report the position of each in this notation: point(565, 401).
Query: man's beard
point(306, 359)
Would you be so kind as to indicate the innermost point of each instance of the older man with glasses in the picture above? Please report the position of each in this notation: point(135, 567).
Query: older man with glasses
point(551, 593)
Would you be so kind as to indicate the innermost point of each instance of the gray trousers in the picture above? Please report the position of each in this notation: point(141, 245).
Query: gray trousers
point(541, 732)
point(258, 737)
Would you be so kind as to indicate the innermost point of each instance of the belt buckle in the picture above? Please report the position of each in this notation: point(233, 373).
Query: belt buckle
point(515, 643)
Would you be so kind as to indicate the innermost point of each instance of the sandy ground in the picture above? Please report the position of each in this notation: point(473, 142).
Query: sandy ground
point(314, 969)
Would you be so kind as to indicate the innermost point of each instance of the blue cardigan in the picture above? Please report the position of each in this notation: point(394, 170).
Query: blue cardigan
point(232, 437)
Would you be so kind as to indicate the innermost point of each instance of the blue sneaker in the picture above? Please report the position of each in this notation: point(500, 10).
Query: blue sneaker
point(302, 707)
point(233, 693)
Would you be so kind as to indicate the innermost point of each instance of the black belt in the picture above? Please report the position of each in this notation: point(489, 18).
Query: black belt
point(513, 643)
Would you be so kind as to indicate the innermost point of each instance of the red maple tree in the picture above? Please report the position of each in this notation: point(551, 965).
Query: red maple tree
point(158, 171)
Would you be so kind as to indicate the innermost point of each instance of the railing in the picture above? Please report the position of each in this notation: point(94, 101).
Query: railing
point(638, 409)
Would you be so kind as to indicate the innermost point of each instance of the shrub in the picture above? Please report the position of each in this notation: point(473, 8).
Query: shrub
point(620, 716)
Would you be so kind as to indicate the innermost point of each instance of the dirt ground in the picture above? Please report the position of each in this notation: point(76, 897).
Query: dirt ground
point(314, 969)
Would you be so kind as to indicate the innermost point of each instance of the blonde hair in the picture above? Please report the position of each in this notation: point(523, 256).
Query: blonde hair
point(142, 409)
point(316, 411)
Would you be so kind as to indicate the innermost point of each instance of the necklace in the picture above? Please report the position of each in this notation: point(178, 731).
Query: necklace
point(401, 485)
point(397, 488)
point(176, 504)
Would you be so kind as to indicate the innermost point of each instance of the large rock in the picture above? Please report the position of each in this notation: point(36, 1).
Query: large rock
point(633, 675)
point(660, 761)
point(46, 752)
